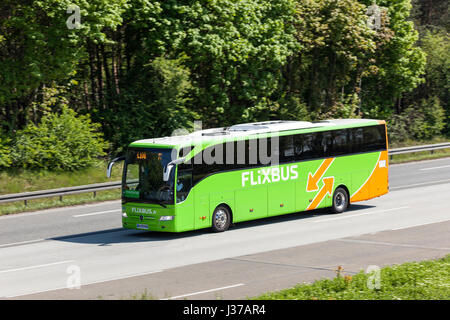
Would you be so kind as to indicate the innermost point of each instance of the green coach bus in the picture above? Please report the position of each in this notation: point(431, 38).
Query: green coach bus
point(215, 177)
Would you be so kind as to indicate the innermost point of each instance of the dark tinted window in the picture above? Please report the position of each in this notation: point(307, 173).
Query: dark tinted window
point(374, 138)
point(184, 181)
point(327, 144)
point(184, 151)
point(368, 139)
point(341, 142)
point(286, 153)
point(312, 146)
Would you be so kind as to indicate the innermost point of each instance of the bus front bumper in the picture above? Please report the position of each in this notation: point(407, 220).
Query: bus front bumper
point(163, 221)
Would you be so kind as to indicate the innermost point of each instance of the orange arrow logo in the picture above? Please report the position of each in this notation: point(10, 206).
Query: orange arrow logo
point(326, 189)
point(311, 185)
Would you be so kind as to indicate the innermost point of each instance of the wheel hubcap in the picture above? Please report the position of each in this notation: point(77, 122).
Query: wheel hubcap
point(340, 201)
point(220, 219)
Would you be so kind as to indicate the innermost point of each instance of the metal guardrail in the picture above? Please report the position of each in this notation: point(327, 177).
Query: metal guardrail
point(59, 192)
point(25, 196)
point(428, 147)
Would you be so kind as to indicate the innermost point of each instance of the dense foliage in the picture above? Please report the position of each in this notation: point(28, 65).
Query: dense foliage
point(143, 68)
point(60, 141)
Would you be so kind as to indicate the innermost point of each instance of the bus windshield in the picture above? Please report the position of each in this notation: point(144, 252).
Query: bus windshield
point(143, 176)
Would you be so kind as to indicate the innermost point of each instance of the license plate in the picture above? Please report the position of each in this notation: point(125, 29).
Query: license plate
point(142, 226)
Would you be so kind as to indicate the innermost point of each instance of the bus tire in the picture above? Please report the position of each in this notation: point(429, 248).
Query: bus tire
point(341, 200)
point(221, 219)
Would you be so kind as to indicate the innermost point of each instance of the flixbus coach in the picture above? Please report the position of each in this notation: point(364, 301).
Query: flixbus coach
point(212, 178)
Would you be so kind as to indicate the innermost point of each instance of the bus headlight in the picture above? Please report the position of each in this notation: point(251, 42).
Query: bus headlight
point(166, 218)
point(124, 214)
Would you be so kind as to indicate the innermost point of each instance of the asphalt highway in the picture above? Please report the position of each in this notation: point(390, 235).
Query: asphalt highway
point(44, 252)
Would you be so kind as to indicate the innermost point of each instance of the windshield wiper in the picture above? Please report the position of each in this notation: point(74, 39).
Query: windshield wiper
point(160, 203)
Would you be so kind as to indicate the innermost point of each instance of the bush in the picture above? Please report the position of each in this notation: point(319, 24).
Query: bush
point(60, 141)
point(5, 152)
point(429, 119)
point(422, 121)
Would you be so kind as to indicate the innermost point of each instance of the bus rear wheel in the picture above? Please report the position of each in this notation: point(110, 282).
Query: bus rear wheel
point(221, 219)
point(340, 200)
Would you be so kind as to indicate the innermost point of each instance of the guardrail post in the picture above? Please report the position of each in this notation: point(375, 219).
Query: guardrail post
point(60, 198)
point(95, 194)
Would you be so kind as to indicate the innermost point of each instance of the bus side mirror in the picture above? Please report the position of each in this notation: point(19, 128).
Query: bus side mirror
point(169, 167)
point(111, 163)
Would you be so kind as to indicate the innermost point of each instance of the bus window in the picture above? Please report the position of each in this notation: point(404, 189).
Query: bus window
point(327, 144)
point(265, 151)
point(374, 138)
point(341, 144)
point(298, 146)
point(312, 146)
point(286, 149)
point(184, 183)
point(357, 140)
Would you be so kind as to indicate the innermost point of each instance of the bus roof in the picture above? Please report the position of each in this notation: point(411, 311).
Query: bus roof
point(240, 131)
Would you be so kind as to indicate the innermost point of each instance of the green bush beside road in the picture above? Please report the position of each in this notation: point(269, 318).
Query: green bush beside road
point(425, 280)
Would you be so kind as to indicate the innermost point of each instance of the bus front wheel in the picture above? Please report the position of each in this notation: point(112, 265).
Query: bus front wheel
point(340, 200)
point(221, 219)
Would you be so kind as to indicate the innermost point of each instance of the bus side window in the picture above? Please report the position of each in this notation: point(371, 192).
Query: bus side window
point(312, 146)
point(341, 143)
point(298, 146)
point(357, 140)
point(184, 151)
point(184, 182)
point(327, 144)
point(374, 138)
point(286, 149)
point(264, 151)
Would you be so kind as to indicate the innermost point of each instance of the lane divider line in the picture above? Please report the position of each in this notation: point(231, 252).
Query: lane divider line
point(392, 244)
point(361, 214)
point(419, 225)
point(95, 213)
point(205, 291)
point(37, 266)
point(19, 243)
point(419, 184)
point(83, 284)
point(433, 168)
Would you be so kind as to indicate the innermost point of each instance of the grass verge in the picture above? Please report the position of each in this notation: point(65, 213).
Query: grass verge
point(425, 280)
point(419, 156)
point(54, 202)
point(21, 180)
point(16, 181)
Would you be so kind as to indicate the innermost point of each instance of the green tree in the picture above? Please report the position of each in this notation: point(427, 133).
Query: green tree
point(152, 104)
point(336, 47)
point(235, 50)
point(399, 62)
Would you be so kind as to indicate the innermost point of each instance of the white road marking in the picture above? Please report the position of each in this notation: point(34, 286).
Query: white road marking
point(419, 225)
point(205, 291)
point(85, 284)
point(19, 243)
point(38, 266)
point(419, 184)
point(94, 213)
point(433, 168)
point(360, 214)
point(392, 244)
